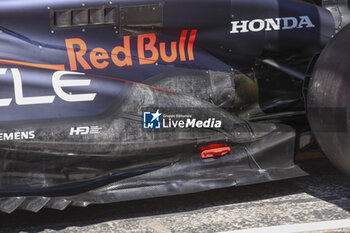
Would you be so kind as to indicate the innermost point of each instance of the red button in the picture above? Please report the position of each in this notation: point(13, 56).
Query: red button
point(214, 150)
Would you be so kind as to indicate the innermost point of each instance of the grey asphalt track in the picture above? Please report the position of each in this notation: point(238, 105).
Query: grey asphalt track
point(323, 196)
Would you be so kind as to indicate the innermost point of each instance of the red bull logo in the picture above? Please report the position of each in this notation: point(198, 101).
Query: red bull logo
point(148, 52)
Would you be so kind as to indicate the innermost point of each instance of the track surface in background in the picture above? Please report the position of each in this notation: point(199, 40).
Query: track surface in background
point(323, 196)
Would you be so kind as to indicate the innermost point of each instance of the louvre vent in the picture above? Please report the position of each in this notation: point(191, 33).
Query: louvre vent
point(82, 17)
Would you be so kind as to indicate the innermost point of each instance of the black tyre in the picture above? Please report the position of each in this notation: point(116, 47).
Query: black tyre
point(329, 100)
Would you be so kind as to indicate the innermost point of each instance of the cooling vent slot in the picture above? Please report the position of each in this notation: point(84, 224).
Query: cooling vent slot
point(82, 17)
point(141, 19)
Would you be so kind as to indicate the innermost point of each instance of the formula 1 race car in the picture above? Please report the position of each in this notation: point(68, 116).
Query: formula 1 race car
point(107, 101)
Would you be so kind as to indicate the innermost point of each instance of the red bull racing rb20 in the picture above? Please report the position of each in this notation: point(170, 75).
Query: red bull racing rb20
point(108, 101)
